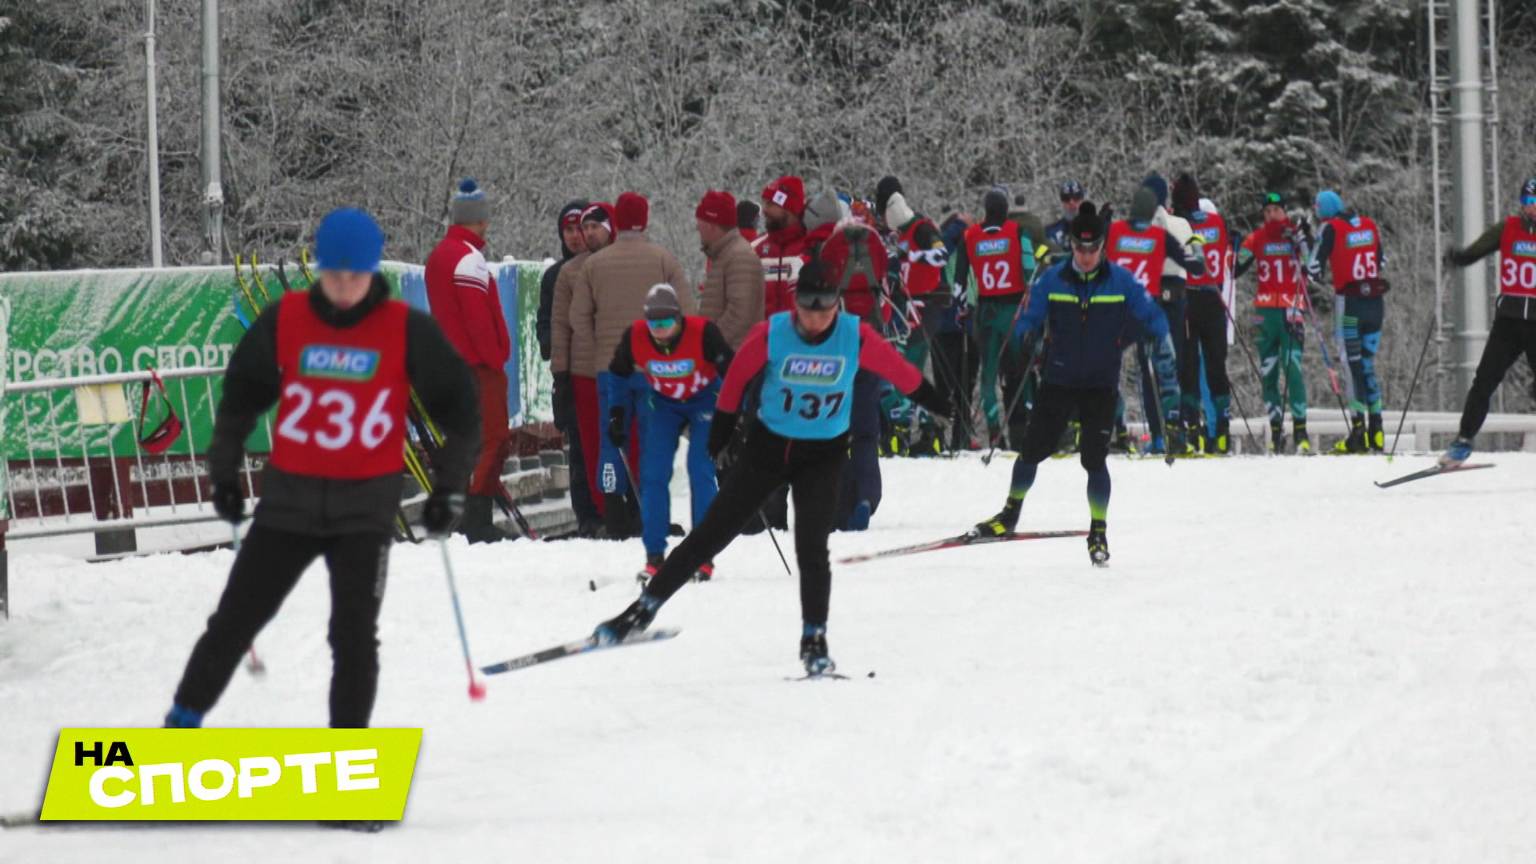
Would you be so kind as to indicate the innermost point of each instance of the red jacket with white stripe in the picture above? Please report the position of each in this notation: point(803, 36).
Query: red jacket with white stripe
point(465, 301)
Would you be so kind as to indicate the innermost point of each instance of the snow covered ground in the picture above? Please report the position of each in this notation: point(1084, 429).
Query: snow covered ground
point(1283, 664)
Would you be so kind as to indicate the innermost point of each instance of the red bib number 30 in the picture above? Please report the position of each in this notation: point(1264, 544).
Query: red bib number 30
point(334, 427)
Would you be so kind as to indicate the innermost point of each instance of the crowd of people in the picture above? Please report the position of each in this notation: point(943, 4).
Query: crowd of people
point(796, 362)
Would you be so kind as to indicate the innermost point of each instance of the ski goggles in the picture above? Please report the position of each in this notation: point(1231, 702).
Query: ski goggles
point(660, 323)
point(1088, 245)
point(816, 300)
point(1527, 200)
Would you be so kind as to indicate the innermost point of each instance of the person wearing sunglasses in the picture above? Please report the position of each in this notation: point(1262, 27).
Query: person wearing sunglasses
point(1514, 322)
point(1088, 308)
point(806, 359)
point(673, 363)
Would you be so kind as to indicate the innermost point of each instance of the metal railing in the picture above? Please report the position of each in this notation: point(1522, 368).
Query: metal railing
point(75, 476)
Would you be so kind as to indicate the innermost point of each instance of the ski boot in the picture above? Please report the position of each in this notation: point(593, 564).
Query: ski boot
point(813, 651)
point(1355, 443)
point(1002, 524)
point(652, 566)
point(1277, 437)
point(1098, 544)
point(1303, 443)
point(1197, 442)
point(633, 620)
point(858, 519)
point(705, 572)
point(1221, 445)
point(1375, 436)
point(183, 718)
point(1157, 447)
point(1120, 441)
point(1459, 452)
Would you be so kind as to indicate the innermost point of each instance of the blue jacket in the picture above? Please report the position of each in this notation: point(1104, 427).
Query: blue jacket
point(1088, 321)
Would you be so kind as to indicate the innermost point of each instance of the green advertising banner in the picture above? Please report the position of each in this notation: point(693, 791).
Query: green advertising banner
point(5, 354)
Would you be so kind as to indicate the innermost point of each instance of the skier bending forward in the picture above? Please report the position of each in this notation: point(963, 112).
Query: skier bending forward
point(1087, 306)
point(807, 358)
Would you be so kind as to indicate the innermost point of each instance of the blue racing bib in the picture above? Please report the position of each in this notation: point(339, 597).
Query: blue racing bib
point(808, 389)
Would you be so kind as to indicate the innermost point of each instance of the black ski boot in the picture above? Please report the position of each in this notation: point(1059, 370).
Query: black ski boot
point(1194, 433)
point(1003, 523)
point(1277, 437)
point(632, 621)
point(1303, 443)
point(1375, 436)
point(1120, 440)
point(1098, 544)
point(813, 651)
point(1222, 444)
point(1355, 443)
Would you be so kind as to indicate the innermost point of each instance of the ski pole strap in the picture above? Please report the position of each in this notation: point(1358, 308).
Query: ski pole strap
point(164, 435)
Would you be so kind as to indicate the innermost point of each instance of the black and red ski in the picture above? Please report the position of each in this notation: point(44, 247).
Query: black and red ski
point(580, 646)
point(957, 541)
point(1430, 472)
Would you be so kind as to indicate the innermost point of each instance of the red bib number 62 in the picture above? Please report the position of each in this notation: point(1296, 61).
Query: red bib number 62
point(336, 427)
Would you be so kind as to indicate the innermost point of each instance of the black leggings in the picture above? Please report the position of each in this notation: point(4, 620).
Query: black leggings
point(1205, 322)
point(812, 470)
point(268, 566)
point(1509, 338)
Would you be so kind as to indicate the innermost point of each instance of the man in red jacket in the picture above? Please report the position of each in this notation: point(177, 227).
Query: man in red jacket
point(782, 246)
point(467, 305)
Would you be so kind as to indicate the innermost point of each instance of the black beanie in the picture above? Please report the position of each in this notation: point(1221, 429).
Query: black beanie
point(887, 187)
point(570, 212)
point(746, 214)
point(1086, 226)
point(995, 205)
point(1186, 194)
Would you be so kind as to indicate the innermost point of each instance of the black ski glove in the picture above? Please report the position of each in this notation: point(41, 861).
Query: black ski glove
point(618, 429)
point(721, 430)
point(933, 401)
point(229, 501)
point(441, 513)
point(564, 402)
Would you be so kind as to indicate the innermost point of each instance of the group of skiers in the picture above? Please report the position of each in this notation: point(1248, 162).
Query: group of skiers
point(776, 367)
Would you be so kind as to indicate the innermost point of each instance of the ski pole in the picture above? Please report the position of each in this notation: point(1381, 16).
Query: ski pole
point(1157, 401)
point(1322, 344)
point(253, 663)
point(1253, 366)
point(769, 527)
point(1032, 368)
point(1417, 367)
point(476, 687)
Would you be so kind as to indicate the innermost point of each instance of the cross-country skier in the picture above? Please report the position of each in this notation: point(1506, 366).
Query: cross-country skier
point(674, 362)
point(1514, 323)
point(1349, 245)
point(1088, 308)
point(1205, 321)
point(998, 259)
point(1274, 249)
point(807, 359)
point(339, 361)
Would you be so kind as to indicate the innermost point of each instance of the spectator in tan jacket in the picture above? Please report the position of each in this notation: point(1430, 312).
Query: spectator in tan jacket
point(607, 298)
point(572, 362)
point(732, 295)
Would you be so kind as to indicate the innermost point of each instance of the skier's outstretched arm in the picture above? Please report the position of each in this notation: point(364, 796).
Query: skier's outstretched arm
point(251, 384)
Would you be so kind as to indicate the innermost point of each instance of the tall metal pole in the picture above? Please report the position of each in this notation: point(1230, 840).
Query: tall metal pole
point(213, 185)
point(1469, 198)
point(152, 134)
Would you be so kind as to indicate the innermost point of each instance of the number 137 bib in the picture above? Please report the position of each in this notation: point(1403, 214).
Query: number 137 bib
point(808, 389)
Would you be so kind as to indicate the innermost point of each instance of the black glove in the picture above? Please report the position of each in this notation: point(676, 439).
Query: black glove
point(441, 512)
point(618, 429)
point(721, 430)
point(564, 402)
point(229, 501)
point(933, 401)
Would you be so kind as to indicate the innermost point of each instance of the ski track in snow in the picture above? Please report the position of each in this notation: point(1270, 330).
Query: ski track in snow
point(1283, 663)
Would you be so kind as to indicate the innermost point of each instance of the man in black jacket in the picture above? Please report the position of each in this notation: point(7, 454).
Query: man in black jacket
point(572, 241)
point(339, 362)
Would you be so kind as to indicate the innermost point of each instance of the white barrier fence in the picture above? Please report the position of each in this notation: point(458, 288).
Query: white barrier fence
point(1423, 431)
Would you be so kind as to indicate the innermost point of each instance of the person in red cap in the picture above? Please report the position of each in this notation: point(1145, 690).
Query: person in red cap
point(575, 394)
point(782, 247)
point(608, 297)
point(732, 294)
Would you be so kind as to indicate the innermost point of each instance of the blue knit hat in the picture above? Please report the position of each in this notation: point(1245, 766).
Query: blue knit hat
point(469, 205)
point(1159, 188)
point(348, 239)
point(1329, 204)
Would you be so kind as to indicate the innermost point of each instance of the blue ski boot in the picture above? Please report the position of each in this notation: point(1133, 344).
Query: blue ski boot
point(183, 718)
point(1459, 452)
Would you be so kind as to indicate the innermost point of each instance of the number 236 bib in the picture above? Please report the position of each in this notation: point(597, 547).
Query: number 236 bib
point(342, 403)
